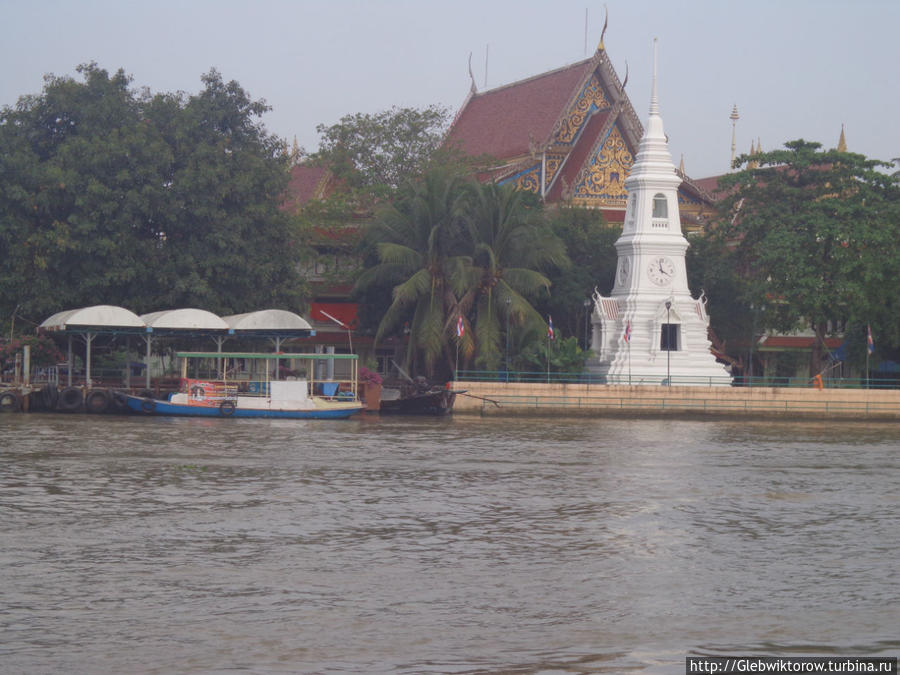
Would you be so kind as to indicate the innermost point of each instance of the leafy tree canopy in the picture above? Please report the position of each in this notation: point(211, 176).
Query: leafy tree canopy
point(377, 152)
point(449, 247)
point(814, 234)
point(113, 196)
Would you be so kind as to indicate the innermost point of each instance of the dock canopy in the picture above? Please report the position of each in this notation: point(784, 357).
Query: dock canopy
point(268, 322)
point(275, 324)
point(96, 319)
point(185, 320)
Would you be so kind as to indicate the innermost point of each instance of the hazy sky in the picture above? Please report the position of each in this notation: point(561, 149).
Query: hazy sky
point(795, 68)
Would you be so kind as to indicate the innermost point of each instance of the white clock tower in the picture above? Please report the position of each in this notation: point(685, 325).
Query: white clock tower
point(651, 330)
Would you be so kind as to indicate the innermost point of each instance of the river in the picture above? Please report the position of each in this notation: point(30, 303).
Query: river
point(462, 545)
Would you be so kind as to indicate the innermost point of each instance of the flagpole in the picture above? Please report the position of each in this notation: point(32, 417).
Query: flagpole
point(628, 342)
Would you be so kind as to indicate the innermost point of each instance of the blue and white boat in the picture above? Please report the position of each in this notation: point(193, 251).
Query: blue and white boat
point(260, 385)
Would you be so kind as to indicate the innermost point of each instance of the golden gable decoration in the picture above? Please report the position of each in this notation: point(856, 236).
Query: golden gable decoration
point(592, 98)
point(605, 181)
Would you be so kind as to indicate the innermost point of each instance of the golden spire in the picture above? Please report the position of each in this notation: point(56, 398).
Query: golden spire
point(842, 143)
point(754, 151)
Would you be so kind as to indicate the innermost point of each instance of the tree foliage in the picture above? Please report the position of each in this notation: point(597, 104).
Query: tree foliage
point(449, 247)
point(377, 152)
point(814, 234)
point(110, 196)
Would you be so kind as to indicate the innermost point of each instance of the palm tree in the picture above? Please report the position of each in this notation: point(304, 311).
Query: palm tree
point(416, 242)
point(510, 242)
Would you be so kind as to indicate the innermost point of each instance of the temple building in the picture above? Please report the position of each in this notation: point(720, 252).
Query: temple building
point(569, 135)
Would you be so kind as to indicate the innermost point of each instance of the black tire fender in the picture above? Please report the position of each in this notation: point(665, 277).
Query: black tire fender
point(10, 401)
point(148, 405)
point(226, 408)
point(96, 401)
point(70, 399)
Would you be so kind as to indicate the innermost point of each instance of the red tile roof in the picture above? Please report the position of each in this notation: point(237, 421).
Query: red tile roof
point(307, 182)
point(501, 122)
point(796, 342)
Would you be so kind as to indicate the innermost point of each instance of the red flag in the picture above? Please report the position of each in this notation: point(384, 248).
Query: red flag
point(460, 327)
point(550, 333)
point(627, 331)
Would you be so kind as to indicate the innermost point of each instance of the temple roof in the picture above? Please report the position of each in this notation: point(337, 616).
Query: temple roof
point(307, 182)
point(503, 122)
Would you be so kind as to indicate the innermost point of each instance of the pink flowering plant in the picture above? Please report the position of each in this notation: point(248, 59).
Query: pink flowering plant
point(44, 351)
point(369, 376)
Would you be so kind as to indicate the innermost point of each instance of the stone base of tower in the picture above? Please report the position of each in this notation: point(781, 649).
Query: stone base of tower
point(680, 370)
point(630, 338)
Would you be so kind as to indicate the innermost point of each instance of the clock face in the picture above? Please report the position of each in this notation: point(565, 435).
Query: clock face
point(661, 270)
point(624, 269)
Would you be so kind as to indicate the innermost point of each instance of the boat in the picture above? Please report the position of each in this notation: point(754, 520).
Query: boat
point(259, 385)
point(418, 398)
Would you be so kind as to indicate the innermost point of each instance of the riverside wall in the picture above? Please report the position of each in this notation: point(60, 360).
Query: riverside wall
point(598, 400)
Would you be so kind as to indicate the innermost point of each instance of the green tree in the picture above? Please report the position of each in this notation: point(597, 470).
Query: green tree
point(590, 245)
point(376, 153)
point(449, 248)
point(110, 196)
point(416, 239)
point(814, 233)
point(510, 244)
point(565, 356)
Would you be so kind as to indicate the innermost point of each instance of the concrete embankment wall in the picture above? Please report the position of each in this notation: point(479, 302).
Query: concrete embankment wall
point(537, 399)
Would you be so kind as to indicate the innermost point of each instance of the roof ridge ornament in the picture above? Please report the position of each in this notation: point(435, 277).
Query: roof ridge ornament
point(600, 46)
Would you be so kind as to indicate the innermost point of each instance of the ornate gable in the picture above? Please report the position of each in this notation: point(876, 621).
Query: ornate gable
point(602, 182)
point(591, 99)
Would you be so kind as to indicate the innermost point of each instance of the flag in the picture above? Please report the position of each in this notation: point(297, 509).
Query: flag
point(550, 334)
point(870, 343)
point(460, 327)
point(627, 331)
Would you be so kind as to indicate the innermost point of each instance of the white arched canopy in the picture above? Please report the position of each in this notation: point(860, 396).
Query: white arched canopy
point(87, 323)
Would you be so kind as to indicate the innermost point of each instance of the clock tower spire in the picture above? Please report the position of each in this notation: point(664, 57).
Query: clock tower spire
point(650, 330)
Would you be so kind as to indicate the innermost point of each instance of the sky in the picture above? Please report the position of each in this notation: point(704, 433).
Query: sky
point(794, 68)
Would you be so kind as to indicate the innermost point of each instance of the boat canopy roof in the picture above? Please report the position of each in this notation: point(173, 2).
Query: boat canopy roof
point(270, 355)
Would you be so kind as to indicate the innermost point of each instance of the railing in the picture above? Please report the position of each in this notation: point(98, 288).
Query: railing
point(496, 403)
point(675, 381)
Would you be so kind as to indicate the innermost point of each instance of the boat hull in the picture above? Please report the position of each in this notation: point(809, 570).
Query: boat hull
point(148, 406)
point(433, 403)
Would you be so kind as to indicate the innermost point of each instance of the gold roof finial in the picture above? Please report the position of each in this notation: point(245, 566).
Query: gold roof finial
point(842, 143)
point(600, 47)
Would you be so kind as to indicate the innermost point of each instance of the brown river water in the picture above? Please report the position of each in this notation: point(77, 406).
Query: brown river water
point(463, 545)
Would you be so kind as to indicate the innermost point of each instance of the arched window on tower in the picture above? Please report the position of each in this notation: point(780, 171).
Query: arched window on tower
point(660, 206)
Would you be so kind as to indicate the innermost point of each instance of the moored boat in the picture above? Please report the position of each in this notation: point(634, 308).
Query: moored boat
point(418, 398)
point(243, 387)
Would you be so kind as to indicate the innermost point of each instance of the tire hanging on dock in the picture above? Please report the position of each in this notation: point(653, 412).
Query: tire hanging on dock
point(70, 399)
point(10, 401)
point(96, 401)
